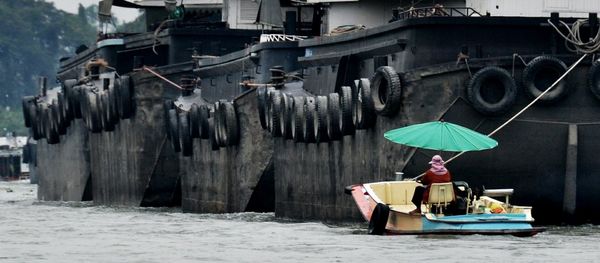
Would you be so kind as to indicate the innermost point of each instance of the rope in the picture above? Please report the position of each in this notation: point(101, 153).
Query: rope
point(574, 37)
point(161, 77)
point(515, 55)
point(346, 28)
point(523, 110)
point(579, 46)
point(155, 38)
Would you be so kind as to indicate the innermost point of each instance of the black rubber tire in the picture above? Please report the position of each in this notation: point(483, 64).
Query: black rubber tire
point(51, 124)
point(101, 109)
point(230, 124)
point(346, 106)
point(194, 121)
point(274, 113)
point(174, 130)
point(267, 109)
point(43, 113)
point(540, 73)
point(75, 102)
point(287, 106)
point(488, 79)
point(363, 115)
point(35, 119)
point(67, 90)
point(167, 105)
point(379, 219)
point(68, 84)
point(593, 79)
point(113, 111)
point(272, 94)
point(309, 120)
point(107, 124)
point(63, 106)
point(348, 190)
point(355, 102)
point(38, 127)
point(221, 127)
point(261, 97)
point(60, 123)
point(297, 119)
point(218, 122)
point(83, 101)
point(212, 134)
point(321, 120)
point(125, 97)
point(185, 138)
point(386, 90)
point(25, 107)
point(94, 113)
point(333, 117)
point(204, 114)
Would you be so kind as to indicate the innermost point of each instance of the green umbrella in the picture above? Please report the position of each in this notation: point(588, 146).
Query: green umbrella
point(443, 136)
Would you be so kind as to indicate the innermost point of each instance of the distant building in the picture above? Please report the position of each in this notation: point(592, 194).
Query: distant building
point(11, 152)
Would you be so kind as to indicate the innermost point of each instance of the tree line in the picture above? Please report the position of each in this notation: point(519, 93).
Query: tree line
point(34, 35)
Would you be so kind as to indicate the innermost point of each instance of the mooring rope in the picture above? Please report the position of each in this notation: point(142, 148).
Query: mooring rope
point(573, 38)
point(531, 103)
point(161, 77)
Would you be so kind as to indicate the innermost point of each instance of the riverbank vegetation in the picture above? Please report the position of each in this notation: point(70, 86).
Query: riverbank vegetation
point(34, 35)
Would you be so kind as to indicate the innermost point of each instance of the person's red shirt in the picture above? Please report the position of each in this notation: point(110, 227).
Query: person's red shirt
point(431, 178)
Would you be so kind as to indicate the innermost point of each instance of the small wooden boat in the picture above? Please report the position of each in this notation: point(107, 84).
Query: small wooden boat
point(387, 205)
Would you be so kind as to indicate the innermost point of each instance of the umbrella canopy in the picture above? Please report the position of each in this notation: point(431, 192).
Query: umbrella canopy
point(439, 135)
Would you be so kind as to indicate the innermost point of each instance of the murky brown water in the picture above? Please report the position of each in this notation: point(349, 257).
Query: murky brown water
point(32, 231)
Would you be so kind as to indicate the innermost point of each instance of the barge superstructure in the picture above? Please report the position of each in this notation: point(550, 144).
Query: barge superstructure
point(285, 123)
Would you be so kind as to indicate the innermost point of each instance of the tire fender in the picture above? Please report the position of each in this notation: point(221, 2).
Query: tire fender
point(386, 89)
point(173, 130)
point(298, 116)
point(309, 120)
point(379, 219)
point(321, 120)
point(185, 138)
point(540, 73)
point(484, 82)
point(333, 117)
point(346, 107)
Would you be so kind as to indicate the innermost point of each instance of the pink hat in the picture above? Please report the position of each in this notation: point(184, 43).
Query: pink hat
point(436, 159)
point(437, 165)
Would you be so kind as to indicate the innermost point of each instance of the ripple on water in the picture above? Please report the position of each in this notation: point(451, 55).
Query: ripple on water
point(33, 230)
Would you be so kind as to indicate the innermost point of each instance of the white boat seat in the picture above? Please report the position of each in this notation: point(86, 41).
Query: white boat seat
point(440, 195)
point(499, 193)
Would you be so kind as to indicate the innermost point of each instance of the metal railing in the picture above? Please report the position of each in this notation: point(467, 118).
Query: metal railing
point(433, 11)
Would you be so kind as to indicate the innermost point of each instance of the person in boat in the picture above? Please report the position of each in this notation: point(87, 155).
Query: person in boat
point(436, 174)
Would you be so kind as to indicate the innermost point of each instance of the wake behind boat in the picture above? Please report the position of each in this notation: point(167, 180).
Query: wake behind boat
point(452, 209)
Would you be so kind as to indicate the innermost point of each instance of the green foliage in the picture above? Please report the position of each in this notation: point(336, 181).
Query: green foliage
point(12, 120)
point(33, 36)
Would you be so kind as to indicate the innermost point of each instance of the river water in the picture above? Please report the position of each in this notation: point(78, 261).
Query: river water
point(34, 231)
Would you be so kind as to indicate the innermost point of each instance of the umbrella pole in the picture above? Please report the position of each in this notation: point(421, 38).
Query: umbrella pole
point(523, 110)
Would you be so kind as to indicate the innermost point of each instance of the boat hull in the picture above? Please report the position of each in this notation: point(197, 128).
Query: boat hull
point(401, 222)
